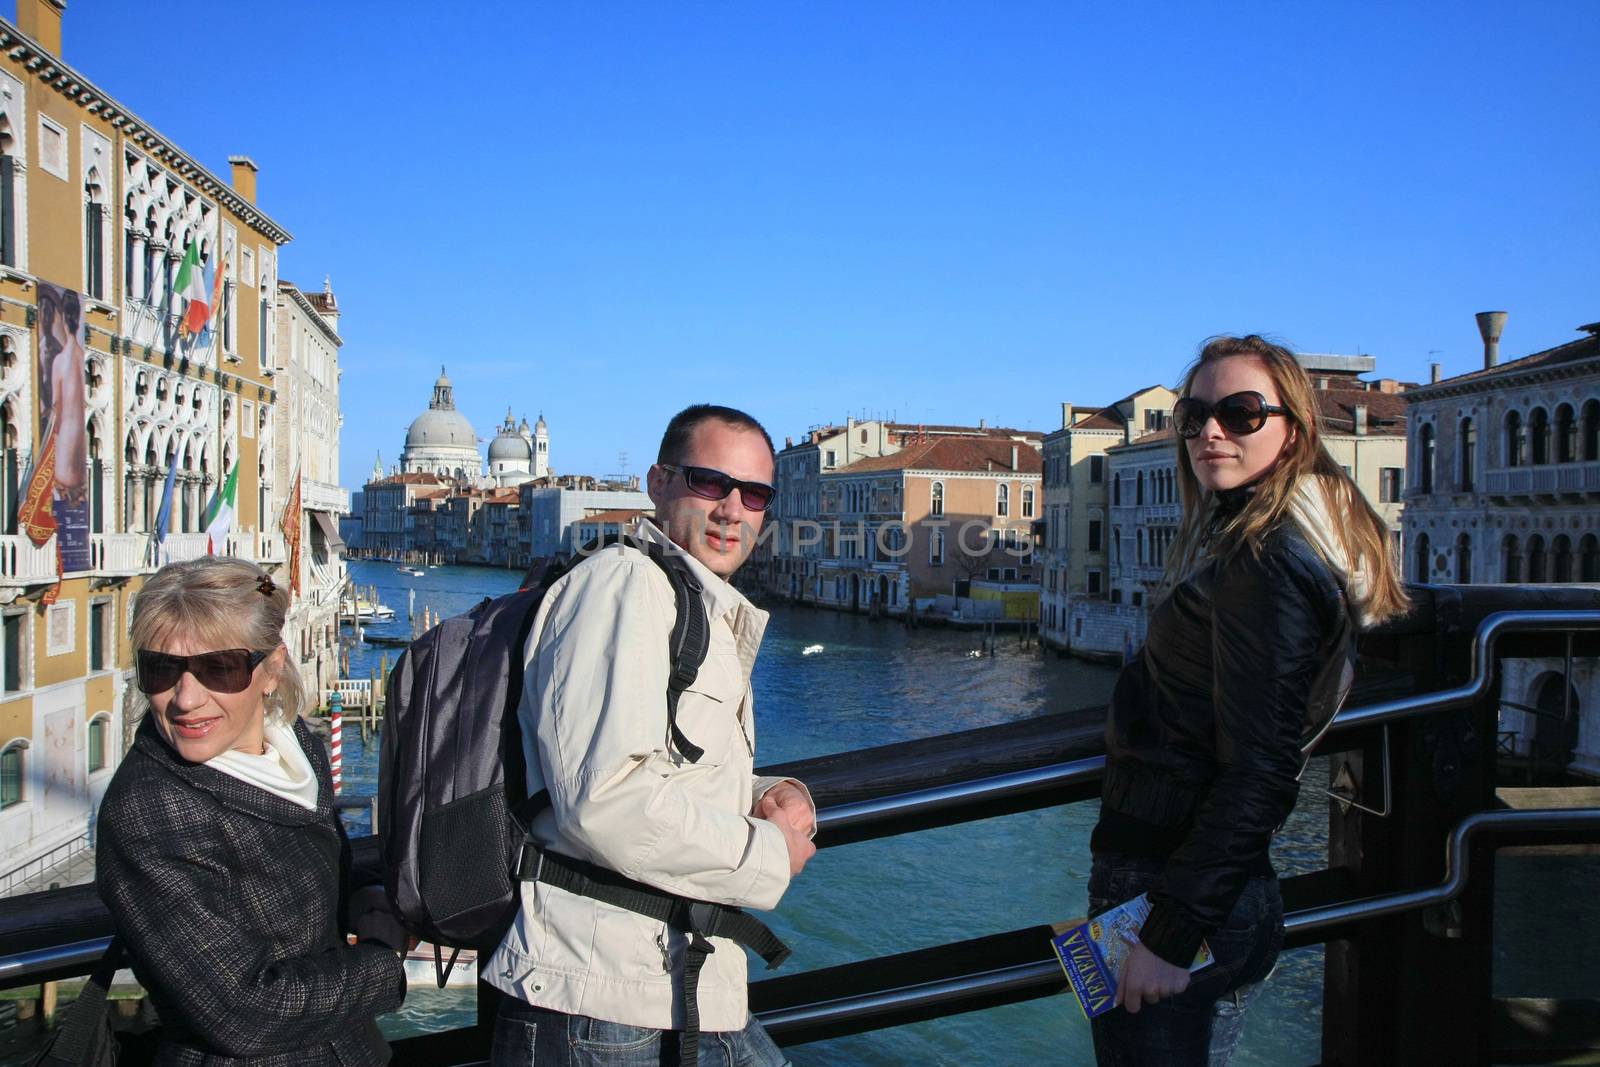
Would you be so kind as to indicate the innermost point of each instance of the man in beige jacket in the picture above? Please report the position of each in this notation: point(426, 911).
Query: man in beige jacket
point(589, 982)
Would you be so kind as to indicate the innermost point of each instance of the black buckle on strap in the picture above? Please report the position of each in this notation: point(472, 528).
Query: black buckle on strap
point(523, 872)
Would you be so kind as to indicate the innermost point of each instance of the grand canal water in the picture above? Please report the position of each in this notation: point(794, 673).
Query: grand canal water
point(873, 683)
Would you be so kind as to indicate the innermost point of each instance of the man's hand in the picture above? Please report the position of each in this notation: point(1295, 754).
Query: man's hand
point(795, 836)
point(786, 796)
point(788, 808)
point(1147, 978)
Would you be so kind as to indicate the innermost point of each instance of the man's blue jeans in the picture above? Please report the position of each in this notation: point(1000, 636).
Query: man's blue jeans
point(1199, 1027)
point(525, 1036)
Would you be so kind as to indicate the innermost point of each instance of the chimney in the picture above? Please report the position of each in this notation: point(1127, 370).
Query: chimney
point(788, 442)
point(1013, 457)
point(1361, 420)
point(244, 176)
point(1066, 414)
point(1433, 377)
point(1490, 323)
point(41, 20)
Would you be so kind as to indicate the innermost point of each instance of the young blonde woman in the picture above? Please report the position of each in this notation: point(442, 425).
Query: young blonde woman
point(219, 854)
point(1277, 563)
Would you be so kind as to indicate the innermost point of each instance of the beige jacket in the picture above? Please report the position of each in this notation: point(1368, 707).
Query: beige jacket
point(594, 723)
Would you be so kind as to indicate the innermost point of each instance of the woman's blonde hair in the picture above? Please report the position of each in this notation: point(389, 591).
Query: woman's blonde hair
point(221, 602)
point(1362, 533)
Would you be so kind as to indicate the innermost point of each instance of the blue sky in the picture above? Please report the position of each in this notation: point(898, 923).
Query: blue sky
point(937, 211)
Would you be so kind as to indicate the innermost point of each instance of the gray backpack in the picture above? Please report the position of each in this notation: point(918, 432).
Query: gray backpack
point(451, 774)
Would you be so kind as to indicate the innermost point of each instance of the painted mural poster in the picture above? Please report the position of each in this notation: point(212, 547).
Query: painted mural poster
point(57, 497)
point(63, 795)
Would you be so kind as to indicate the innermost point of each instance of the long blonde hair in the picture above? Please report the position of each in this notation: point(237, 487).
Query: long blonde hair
point(1362, 534)
point(227, 603)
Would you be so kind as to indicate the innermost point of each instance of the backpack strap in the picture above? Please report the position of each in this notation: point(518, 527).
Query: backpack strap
point(687, 646)
point(699, 919)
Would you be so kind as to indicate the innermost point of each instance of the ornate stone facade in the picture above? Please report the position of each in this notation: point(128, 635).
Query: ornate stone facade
point(1504, 486)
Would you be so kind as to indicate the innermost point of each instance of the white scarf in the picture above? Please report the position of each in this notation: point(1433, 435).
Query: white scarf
point(283, 769)
point(1313, 509)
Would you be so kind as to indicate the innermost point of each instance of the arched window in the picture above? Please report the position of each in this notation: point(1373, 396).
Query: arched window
point(1566, 434)
point(94, 236)
point(1468, 449)
point(99, 726)
point(11, 774)
point(1516, 440)
point(1138, 495)
point(1116, 488)
point(1463, 560)
point(1589, 559)
point(936, 505)
point(1536, 559)
point(1002, 499)
point(1139, 539)
point(1561, 559)
point(1591, 431)
point(1424, 559)
point(9, 176)
point(1425, 458)
point(10, 468)
point(1027, 501)
point(1511, 555)
point(1539, 434)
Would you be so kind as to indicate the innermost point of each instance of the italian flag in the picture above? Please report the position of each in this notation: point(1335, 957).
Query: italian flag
point(191, 285)
point(219, 520)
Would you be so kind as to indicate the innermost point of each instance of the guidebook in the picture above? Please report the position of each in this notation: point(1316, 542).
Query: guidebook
point(1092, 953)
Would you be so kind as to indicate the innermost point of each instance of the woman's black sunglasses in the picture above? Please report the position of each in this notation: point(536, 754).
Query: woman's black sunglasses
point(1240, 413)
point(228, 671)
point(710, 484)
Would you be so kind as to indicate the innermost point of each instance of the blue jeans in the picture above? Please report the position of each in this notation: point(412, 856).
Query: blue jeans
point(1199, 1027)
point(525, 1036)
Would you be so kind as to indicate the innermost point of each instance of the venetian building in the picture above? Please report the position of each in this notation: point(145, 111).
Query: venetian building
point(541, 447)
point(306, 444)
point(441, 441)
point(514, 452)
point(98, 211)
point(1504, 486)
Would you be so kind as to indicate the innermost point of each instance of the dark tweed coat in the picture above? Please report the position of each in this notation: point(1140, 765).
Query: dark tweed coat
point(230, 901)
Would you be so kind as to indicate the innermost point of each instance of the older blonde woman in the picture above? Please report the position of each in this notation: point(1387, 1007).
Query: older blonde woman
point(219, 854)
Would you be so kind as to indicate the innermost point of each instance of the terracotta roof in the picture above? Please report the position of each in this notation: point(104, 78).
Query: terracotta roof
point(617, 515)
point(965, 431)
point(1101, 421)
point(1154, 437)
point(973, 454)
point(1386, 412)
point(1583, 348)
point(433, 494)
point(415, 478)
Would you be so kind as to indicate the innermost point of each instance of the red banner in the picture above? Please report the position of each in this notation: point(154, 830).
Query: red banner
point(36, 515)
point(291, 534)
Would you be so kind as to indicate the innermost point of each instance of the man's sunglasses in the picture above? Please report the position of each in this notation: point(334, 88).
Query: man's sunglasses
point(1240, 413)
point(228, 671)
point(714, 485)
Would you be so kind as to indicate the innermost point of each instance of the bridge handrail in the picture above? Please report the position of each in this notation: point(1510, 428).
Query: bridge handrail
point(855, 819)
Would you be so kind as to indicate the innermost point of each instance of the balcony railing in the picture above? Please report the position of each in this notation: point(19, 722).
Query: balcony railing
point(24, 563)
point(320, 496)
point(118, 554)
point(1544, 480)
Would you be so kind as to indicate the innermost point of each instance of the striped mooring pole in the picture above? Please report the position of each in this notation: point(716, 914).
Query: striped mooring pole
point(336, 737)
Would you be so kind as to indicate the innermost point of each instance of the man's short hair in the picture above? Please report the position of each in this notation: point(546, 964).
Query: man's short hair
point(681, 428)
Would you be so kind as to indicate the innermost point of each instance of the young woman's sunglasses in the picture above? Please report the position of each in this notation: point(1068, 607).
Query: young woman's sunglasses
point(1240, 413)
point(228, 671)
point(714, 485)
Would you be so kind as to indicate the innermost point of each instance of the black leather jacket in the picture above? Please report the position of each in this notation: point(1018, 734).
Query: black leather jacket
point(1244, 666)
